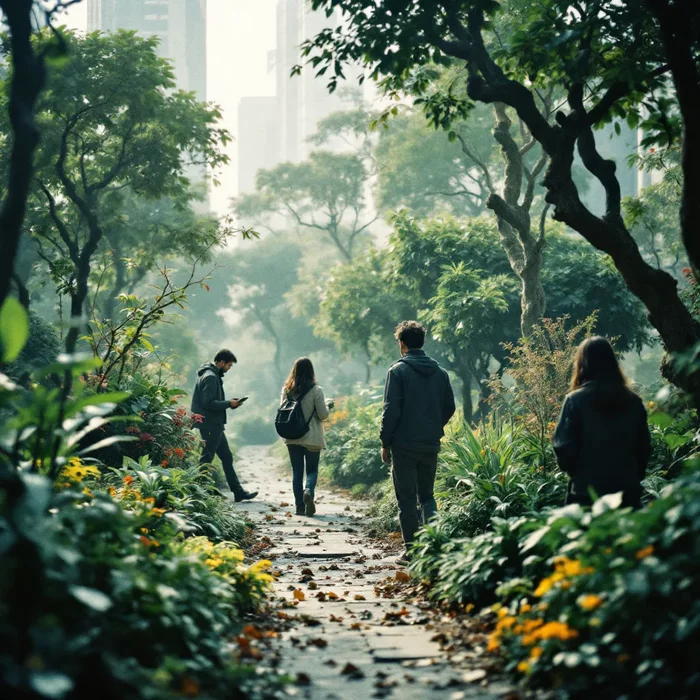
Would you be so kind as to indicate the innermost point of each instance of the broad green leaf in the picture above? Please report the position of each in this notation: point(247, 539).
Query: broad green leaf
point(14, 329)
point(91, 597)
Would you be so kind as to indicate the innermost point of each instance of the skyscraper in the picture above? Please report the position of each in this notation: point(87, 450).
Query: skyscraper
point(179, 24)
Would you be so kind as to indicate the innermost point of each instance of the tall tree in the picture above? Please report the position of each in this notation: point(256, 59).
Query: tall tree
point(609, 57)
point(112, 126)
point(326, 193)
point(27, 79)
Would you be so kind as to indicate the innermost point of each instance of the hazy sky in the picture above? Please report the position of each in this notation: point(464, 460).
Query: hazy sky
point(239, 35)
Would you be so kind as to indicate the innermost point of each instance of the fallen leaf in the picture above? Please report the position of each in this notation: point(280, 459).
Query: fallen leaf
point(299, 595)
point(252, 632)
point(319, 642)
point(321, 596)
point(352, 671)
point(284, 504)
point(333, 618)
point(303, 679)
point(307, 572)
point(332, 596)
point(313, 585)
point(402, 576)
point(359, 597)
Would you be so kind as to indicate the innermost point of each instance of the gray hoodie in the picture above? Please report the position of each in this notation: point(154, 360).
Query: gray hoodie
point(418, 403)
point(208, 399)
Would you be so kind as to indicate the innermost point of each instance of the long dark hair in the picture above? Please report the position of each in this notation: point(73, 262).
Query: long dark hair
point(301, 377)
point(595, 361)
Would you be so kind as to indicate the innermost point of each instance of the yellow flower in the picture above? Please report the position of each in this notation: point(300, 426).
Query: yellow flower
point(502, 612)
point(525, 608)
point(469, 607)
point(594, 622)
point(590, 602)
point(645, 552)
point(494, 644)
point(651, 405)
point(536, 652)
point(483, 453)
point(544, 587)
point(260, 566)
point(505, 623)
point(523, 667)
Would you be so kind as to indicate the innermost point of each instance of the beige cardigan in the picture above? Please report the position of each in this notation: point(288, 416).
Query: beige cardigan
point(314, 439)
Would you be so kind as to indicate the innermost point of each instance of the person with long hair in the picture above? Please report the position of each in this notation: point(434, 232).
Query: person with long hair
point(305, 452)
point(602, 437)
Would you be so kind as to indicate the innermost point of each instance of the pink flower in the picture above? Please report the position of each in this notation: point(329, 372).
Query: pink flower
point(197, 418)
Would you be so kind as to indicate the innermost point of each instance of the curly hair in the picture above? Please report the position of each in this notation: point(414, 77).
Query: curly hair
point(411, 334)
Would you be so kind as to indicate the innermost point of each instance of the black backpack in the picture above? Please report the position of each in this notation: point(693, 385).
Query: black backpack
point(289, 422)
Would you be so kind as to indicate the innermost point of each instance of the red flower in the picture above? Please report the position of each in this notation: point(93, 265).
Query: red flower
point(133, 430)
point(164, 463)
point(179, 452)
point(146, 437)
point(197, 418)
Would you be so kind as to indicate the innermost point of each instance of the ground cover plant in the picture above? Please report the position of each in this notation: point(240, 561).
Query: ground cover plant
point(110, 586)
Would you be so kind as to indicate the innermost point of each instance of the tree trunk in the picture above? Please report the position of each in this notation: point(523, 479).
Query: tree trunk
point(27, 82)
point(465, 378)
point(532, 299)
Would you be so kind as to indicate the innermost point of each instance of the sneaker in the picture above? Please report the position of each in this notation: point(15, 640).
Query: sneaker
point(245, 496)
point(309, 505)
point(403, 560)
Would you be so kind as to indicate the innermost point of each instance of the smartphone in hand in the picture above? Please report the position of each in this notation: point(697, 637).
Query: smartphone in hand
point(242, 399)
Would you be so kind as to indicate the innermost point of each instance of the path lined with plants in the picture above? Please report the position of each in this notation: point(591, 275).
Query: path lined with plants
point(353, 629)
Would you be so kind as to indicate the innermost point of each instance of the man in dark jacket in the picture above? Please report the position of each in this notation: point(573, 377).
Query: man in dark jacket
point(418, 403)
point(209, 401)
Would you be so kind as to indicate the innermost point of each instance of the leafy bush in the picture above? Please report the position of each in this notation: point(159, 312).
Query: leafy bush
point(187, 491)
point(540, 365)
point(113, 605)
point(353, 457)
point(487, 471)
point(42, 348)
point(617, 613)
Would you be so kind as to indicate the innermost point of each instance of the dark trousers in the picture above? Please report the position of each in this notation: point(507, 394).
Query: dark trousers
point(413, 474)
point(301, 457)
point(215, 443)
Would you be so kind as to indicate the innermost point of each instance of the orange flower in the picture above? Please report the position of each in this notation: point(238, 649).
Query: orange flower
point(179, 452)
point(645, 552)
point(164, 463)
point(128, 479)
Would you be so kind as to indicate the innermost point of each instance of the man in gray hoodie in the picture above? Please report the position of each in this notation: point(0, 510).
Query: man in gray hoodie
point(418, 403)
point(208, 401)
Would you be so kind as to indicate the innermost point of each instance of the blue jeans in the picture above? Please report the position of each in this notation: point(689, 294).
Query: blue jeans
point(301, 457)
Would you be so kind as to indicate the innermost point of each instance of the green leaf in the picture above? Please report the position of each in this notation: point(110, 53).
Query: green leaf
point(51, 684)
point(14, 329)
point(91, 597)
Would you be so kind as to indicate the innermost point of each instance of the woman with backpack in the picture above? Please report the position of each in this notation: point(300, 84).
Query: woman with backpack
point(306, 407)
point(602, 438)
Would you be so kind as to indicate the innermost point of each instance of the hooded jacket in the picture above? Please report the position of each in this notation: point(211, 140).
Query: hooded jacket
point(602, 442)
point(208, 399)
point(418, 403)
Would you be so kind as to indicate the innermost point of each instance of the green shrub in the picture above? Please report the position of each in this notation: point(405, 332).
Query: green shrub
point(617, 612)
point(113, 605)
point(42, 348)
point(187, 491)
point(488, 471)
point(353, 456)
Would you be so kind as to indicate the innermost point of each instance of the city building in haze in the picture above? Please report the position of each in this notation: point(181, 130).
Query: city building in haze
point(273, 130)
point(181, 26)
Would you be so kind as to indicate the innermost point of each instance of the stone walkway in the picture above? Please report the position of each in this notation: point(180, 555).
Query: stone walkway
point(353, 639)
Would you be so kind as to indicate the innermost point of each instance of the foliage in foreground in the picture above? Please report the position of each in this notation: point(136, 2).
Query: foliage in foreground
point(603, 600)
point(102, 594)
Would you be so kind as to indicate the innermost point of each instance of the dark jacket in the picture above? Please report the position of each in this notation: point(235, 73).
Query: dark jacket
point(418, 402)
point(602, 442)
point(208, 399)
